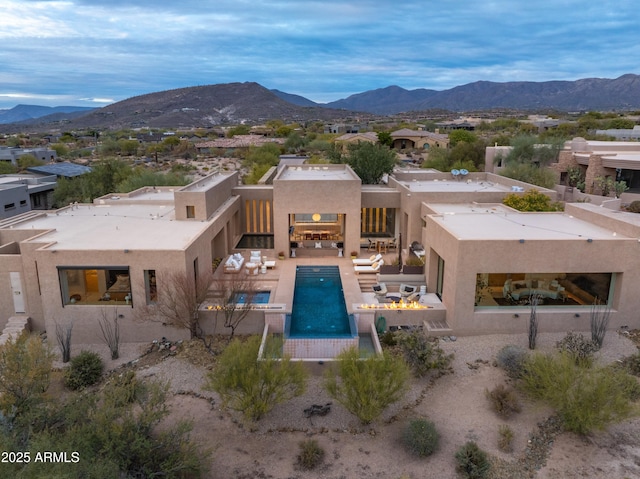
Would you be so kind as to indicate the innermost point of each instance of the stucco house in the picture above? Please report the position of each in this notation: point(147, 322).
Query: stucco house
point(482, 260)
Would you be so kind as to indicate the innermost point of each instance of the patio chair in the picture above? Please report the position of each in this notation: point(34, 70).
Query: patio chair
point(380, 289)
point(393, 244)
point(372, 245)
point(374, 268)
point(367, 261)
point(407, 289)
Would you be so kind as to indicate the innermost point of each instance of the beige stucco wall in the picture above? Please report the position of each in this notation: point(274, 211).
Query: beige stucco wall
point(205, 197)
point(317, 196)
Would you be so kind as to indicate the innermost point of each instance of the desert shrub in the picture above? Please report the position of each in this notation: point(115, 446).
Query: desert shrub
point(504, 400)
point(599, 320)
point(632, 364)
point(421, 437)
point(586, 399)
point(472, 461)
point(85, 370)
point(578, 347)
point(388, 339)
point(254, 386)
point(422, 353)
point(311, 454)
point(367, 386)
point(634, 207)
point(113, 436)
point(505, 438)
point(25, 368)
point(511, 358)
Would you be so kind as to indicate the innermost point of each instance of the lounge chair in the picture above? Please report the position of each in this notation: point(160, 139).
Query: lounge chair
point(407, 289)
point(367, 261)
point(256, 257)
point(374, 268)
point(380, 289)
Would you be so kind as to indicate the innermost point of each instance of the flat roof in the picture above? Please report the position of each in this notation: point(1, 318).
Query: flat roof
point(146, 226)
point(66, 169)
point(475, 222)
point(463, 186)
point(206, 182)
point(317, 173)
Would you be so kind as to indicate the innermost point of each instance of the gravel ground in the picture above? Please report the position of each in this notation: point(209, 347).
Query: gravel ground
point(454, 402)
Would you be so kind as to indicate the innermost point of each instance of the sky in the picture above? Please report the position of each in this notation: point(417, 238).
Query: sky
point(96, 52)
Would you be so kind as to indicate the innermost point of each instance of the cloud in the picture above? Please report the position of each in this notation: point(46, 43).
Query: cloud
point(88, 49)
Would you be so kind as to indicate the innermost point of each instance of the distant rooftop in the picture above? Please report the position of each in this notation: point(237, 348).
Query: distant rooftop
point(67, 170)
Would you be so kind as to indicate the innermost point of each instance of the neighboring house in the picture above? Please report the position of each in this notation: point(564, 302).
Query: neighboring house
point(411, 139)
point(60, 170)
point(26, 192)
point(13, 154)
point(482, 260)
point(619, 160)
point(622, 134)
point(355, 138)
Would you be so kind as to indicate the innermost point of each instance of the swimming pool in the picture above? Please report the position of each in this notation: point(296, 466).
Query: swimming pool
point(319, 309)
point(259, 297)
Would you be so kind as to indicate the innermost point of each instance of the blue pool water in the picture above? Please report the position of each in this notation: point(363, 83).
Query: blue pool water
point(319, 309)
point(259, 297)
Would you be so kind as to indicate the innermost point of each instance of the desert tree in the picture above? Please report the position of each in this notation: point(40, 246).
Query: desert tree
point(180, 297)
point(231, 300)
point(370, 161)
point(110, 331)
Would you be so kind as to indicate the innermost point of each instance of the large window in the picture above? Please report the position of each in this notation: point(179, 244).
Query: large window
point(151, 289)
point(552, 289)
point(95, 285)
point(377, 222)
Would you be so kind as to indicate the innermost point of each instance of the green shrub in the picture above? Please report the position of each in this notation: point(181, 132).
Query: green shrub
point(472, 461)
point(311, 454)
point(634, 207)
point(254, 386)
point(504, 400)
point(422, 353)
point(421, 438)
point(511, 358)
point(578, 347)
point(367, 386)
point(586, 399)
point(388, 339)
point(505, 438)
point(85, 370)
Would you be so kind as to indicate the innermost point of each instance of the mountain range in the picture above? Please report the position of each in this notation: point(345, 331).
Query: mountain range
point(233, 103)
point(29, 112)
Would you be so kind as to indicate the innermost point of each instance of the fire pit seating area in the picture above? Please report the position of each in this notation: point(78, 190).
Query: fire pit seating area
point(234, 263)
point(546, 289)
